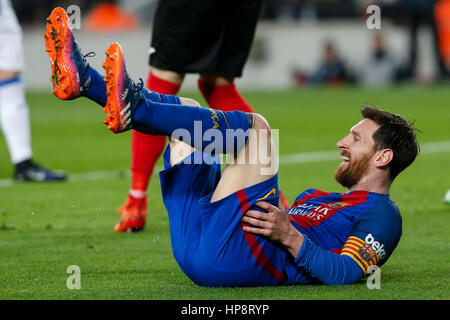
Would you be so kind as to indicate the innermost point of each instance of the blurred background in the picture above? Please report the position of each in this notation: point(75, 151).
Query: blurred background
point(298, 42)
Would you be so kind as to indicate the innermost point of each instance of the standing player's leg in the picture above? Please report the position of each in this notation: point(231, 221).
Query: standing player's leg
point(219, 89)
point(238, 25)
point(14, 114)
point(221, 93)
point(15, 124)
point(14, 118)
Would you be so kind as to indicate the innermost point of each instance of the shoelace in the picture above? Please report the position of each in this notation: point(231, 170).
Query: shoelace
point(75, 57)
point(139, 86)
point(83, 57)
point(90, 54)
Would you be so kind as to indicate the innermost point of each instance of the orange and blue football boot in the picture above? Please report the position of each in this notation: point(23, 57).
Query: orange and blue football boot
point(133, 217)
point(123, 94)
point(69, 66)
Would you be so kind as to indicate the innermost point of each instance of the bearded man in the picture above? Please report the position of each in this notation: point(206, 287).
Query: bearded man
point(226, 227)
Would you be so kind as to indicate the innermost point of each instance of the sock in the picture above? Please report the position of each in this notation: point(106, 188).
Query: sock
point(23, 165)
point(191, 123)
point(97, 87)
point(146, 149)
point(139, 194)
point(14, 119)
point(225, 98)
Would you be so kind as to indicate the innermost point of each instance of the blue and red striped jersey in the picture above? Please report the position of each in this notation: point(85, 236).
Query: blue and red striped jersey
point(363, 225)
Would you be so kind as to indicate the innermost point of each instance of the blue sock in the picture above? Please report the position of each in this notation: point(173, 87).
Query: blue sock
point(97, 87)
point(193, 125)
point(97, 90)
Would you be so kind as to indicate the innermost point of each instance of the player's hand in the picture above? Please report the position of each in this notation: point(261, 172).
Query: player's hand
point(274, 225)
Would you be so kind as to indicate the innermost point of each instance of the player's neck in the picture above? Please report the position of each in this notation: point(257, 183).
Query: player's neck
point(372, 184)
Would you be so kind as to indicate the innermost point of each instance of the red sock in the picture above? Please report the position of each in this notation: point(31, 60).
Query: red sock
point(146, 149)
point(225, 98)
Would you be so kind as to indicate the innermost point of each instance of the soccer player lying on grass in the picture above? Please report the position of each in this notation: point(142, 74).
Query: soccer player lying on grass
point(226, 229)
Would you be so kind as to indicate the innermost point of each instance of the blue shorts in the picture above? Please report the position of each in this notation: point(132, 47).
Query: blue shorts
point(208, 242)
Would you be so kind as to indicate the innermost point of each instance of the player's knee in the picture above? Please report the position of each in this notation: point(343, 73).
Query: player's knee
point(260, 123)
point(216, 80)
point(170, 76)
point(189, 102)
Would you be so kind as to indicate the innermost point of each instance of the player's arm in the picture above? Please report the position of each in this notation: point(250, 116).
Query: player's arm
point(375, 235)
point(330, 268)
point(275, 225)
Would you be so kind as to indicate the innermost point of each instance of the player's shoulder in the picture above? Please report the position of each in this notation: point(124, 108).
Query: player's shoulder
point(382, 210)
point(382, 219)
point(312, 193)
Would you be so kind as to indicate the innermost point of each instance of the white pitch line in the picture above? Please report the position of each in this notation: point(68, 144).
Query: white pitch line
point(294, 158)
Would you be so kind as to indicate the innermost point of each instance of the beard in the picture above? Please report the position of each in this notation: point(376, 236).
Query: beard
point(350, 174)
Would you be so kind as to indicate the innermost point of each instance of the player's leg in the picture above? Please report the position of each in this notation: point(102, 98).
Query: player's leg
point(221, 93)
point(238, 24)
point(165, 118)
point(146, 149)
point(15, 124)
point(14, 117)
point(14, 114)
point(255, 163)
point(129, 107)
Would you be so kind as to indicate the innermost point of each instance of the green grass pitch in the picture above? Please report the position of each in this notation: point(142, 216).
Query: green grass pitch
point(44, 228)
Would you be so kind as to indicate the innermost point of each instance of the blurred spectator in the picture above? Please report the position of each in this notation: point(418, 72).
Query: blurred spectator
point(331, 70)
point(380, 69)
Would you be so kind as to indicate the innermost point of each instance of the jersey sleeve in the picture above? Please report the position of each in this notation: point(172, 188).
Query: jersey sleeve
point(328, 267)
point(375, 235)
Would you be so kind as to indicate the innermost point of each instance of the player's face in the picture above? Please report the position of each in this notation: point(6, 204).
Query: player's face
point(357, 150)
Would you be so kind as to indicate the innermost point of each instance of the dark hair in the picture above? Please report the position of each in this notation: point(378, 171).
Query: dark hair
point(394, 133)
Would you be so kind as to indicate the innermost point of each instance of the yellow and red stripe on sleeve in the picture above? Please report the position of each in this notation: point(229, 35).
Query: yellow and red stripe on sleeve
point(361, 252)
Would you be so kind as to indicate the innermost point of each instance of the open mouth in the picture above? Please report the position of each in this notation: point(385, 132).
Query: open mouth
point(345, 157)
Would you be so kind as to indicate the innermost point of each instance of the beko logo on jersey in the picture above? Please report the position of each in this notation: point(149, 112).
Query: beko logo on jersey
point(376, 246)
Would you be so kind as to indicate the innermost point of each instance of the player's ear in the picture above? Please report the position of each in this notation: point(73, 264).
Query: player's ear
point(383, 157)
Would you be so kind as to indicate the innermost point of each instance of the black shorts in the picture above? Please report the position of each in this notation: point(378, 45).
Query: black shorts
point(204, 36)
